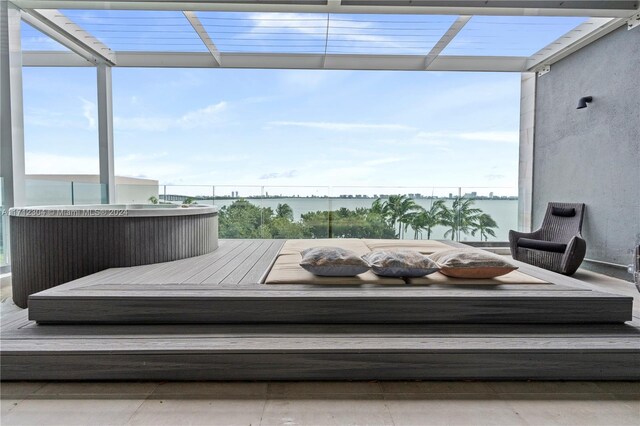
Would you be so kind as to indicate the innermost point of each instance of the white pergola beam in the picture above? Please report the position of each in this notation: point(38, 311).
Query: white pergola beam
point(610, 8)
point(444, 41)
point(66, 32)
point(105, 131)
point(204, 36)
point(288, 61)
point(582, 35)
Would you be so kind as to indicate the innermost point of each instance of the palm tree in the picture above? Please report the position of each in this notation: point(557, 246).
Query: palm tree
point(284, 211)
point(399, 210)
point(188, 201)
point(377, 207)
point(460, 217)
point(153, 199)
point(484, 224)
point(426, 220)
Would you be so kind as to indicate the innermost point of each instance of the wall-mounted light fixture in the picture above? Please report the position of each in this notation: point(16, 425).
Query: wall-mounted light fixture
point(582, 103)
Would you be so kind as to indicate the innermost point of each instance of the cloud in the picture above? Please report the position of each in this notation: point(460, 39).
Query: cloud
point(155, 165)
point(45, 163)
point(295, 22)
point(201, 118)
point(382, 161)
point(89, 112)
point(498, 137)
point(63, 119)
point(314, 26)
point(446, 138)
point(494, 176)
point(337, 126)
point(148, 124)
point(288, 174)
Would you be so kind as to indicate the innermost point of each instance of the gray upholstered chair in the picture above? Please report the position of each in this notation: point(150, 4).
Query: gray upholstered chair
point(558, 245)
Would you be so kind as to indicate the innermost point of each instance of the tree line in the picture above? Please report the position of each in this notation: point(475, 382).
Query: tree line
point(389, 218)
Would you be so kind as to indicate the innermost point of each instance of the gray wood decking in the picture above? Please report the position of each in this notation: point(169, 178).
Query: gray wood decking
point(319, 352)
point(131, 324)
point(225, 287)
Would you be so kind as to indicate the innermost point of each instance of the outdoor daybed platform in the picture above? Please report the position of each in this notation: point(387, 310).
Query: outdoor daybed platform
point(225, 287)
point(209, 318)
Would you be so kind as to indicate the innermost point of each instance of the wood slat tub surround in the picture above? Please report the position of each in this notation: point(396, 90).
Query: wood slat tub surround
point(52, 251)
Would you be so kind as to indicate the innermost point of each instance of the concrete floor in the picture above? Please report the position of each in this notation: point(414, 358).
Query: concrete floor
point(326, 403)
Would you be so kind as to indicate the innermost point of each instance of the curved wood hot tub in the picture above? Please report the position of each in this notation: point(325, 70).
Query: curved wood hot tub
point(55, 245)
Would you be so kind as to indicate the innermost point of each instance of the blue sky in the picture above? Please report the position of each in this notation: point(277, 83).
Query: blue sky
point(286, 127)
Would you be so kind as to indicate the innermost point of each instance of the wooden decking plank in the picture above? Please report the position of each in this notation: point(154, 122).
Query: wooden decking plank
point(234, 275)
point(9, 321)
point(22, 328)
point(182, 272)
point(159, 270)
point(211, 269)
point(606, 364)
point(144, 273)
point(152, 291)
point(347, 344)
point(365, 289)
point(320, 352)
point(243, 261)
point(313, 309)
point(260, 261)
point(262, 267)
point(88, 280)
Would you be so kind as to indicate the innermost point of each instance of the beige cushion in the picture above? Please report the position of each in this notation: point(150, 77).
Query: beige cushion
point(296, 246)
point(422, 246)
point(471, 263)
point(400, 263)
point(287, 270)
point(514, 277)
point(332, 262)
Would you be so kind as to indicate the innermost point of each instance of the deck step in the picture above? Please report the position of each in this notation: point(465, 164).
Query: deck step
point(462, 305)
point(319, 352)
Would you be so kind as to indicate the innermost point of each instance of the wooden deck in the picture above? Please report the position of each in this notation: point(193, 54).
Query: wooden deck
point(225, 287)
point(319, 352)
point(209, 318)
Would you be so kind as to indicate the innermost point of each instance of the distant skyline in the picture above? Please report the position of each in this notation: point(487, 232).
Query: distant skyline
point(286, 127)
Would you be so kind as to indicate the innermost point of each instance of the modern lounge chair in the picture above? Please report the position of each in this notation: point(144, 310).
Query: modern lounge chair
point(558, 245)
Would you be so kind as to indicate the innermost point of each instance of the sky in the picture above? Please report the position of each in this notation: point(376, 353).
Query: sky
point(281, 128)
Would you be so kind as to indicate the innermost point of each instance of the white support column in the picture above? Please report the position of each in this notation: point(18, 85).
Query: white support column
point(525, 163)
point(12, 168)
point(105, 131)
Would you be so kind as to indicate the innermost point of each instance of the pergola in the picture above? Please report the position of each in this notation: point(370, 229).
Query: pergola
point(334, 31)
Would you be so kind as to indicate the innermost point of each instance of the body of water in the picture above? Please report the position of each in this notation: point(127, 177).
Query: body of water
point(504, 212)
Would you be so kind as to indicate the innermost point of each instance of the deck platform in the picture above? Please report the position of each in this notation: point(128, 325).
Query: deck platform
point(210, 318)
point(319, 352)
point(225, 287)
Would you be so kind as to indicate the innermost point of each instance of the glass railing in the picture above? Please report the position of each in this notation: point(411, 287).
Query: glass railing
point(57, 192)
point(453, 213)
